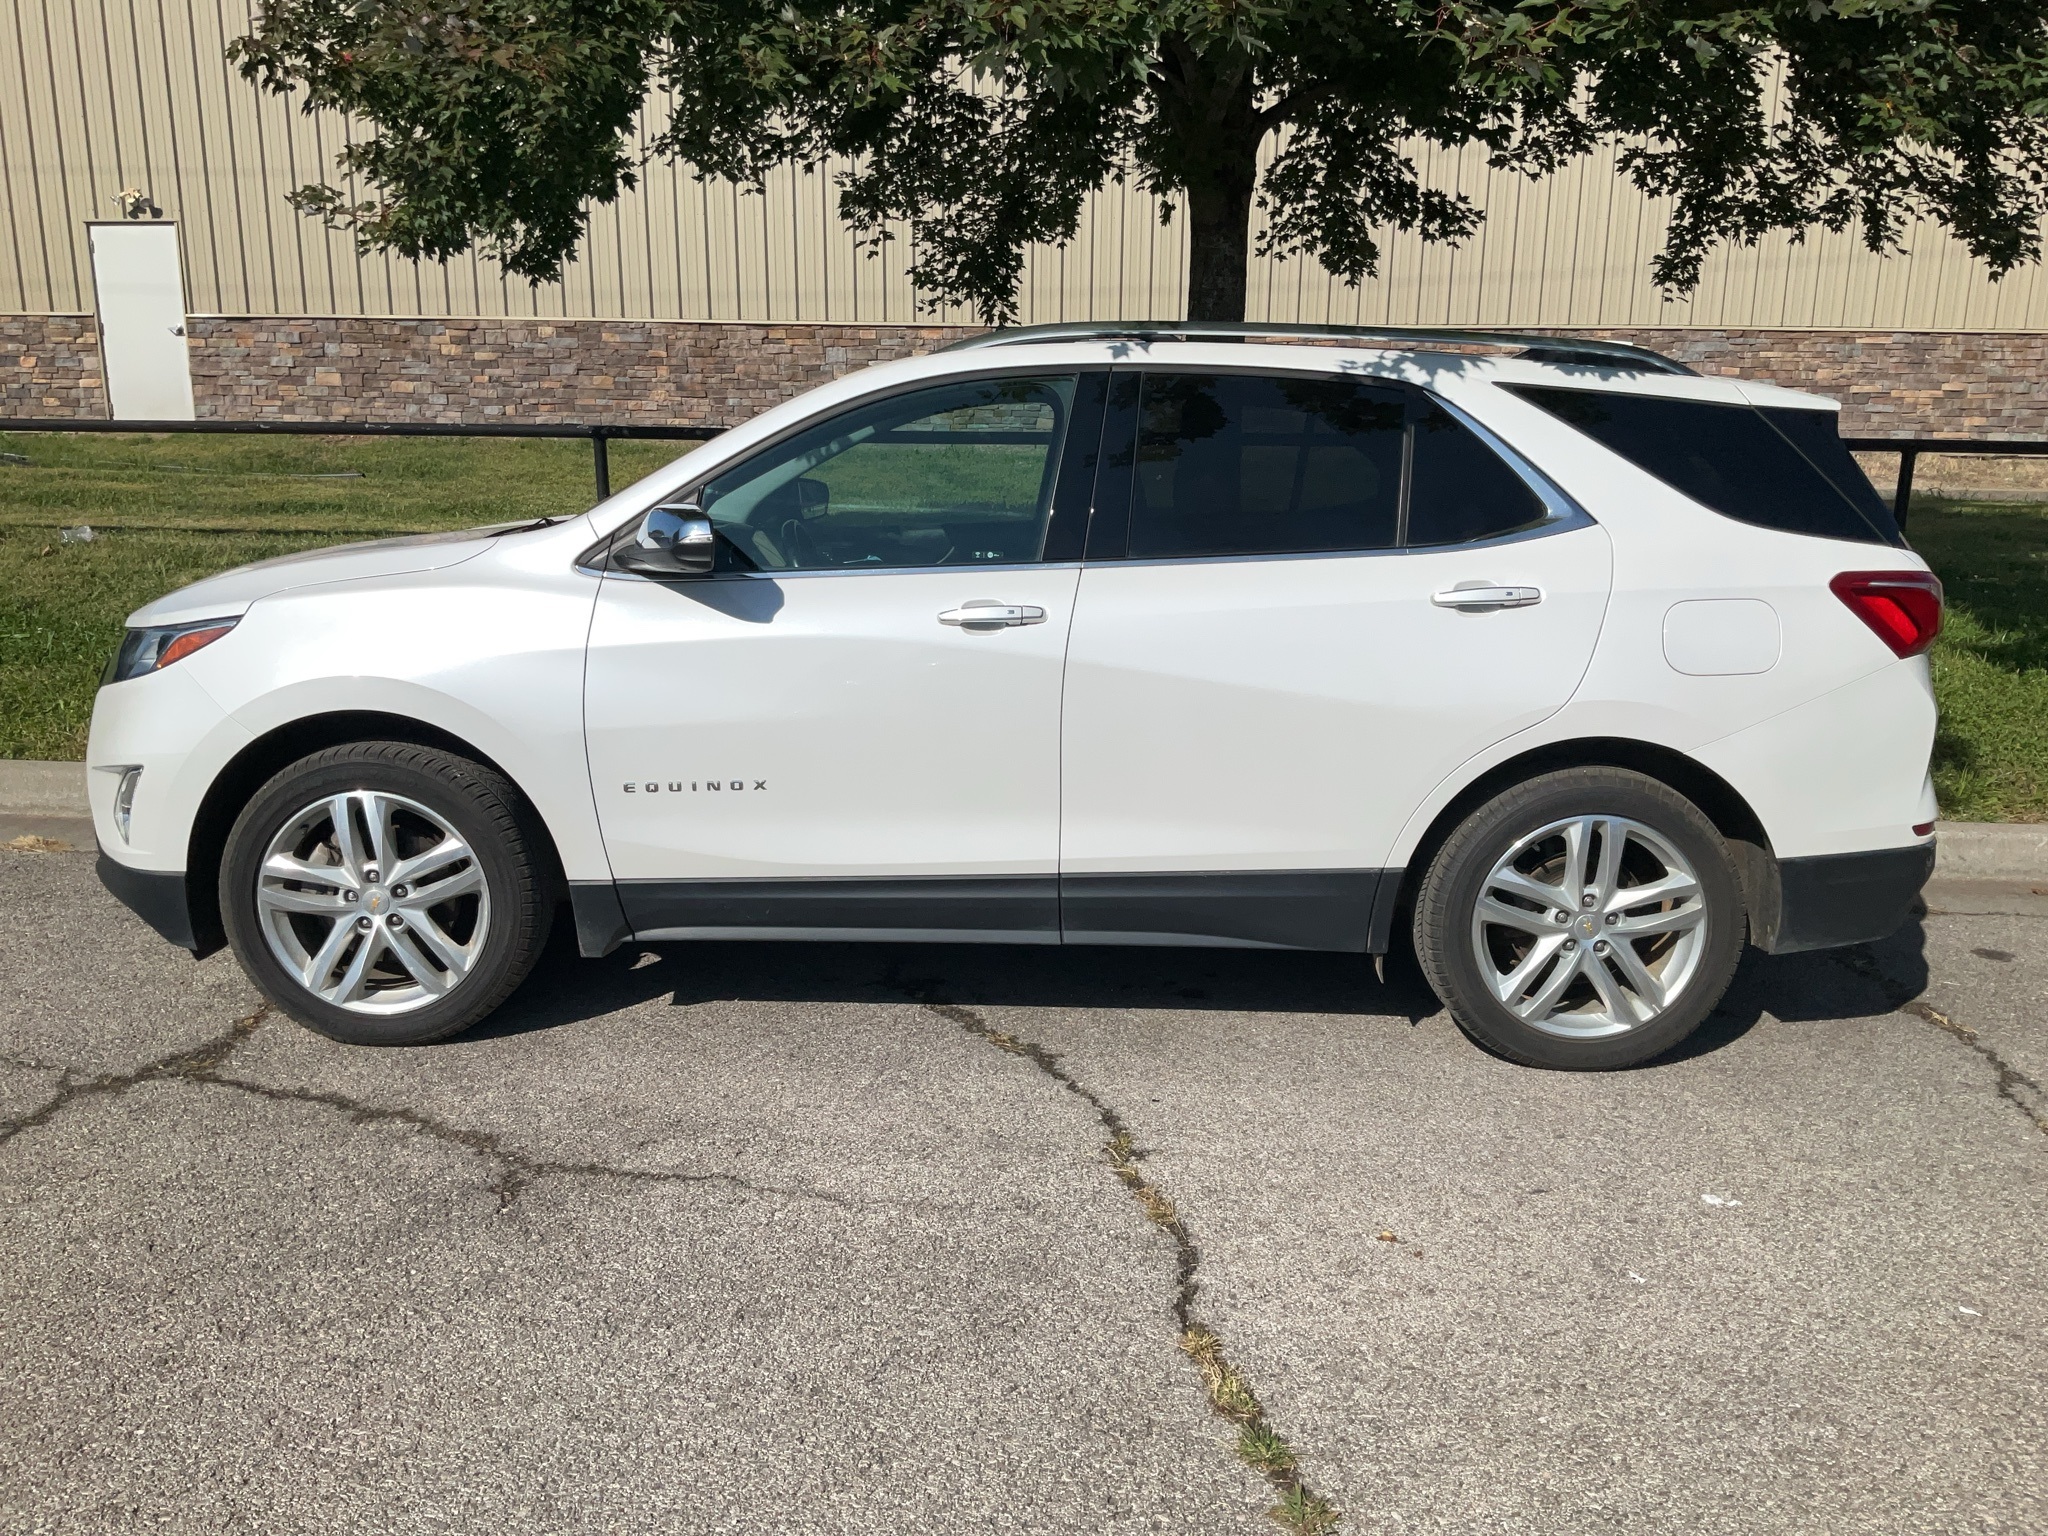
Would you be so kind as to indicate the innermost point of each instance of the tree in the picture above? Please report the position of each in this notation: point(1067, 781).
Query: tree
point(985, 123)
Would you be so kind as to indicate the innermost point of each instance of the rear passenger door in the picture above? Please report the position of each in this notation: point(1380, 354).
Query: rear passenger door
point(1270, 666)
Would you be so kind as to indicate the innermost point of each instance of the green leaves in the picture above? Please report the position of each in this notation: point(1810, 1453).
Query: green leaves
point(983, 124)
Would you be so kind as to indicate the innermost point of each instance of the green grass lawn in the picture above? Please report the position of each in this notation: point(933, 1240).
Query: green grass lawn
point(169, 510)
point(1991, 662)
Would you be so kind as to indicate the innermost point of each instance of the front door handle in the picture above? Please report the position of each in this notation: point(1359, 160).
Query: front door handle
point(982, 611)
point(1482, 599)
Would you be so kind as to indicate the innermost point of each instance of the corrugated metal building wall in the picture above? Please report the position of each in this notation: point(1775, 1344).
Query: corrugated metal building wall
point(99, 95)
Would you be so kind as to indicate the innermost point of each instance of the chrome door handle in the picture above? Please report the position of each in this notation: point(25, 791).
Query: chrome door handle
point(983, 611)
point(1486, 599)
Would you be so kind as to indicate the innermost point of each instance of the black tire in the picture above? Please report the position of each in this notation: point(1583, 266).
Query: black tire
point(479, 804)
point(1448, 898)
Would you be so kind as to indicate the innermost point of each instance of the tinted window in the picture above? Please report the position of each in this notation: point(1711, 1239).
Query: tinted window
point(1463, 490)
point(1727, 457)
point(958, 475)
point(1231, 464)
point(1814, 434)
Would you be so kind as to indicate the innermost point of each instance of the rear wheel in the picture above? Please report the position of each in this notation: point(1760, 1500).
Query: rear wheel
point(385, 894)
point(1588, 919)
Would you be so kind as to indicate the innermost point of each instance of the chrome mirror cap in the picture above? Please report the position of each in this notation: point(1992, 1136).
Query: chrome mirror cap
point(673, 539)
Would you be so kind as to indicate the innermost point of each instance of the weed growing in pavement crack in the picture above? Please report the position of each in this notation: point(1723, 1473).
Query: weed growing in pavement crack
point(514, 1170)
point(1259, 1445)
point(2010, 1080)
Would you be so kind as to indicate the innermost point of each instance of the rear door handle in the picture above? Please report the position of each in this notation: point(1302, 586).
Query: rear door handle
point(985, 611)
point(1486, 599)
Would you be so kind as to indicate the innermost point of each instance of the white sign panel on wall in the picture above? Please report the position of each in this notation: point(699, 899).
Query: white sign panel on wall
point(139, 281)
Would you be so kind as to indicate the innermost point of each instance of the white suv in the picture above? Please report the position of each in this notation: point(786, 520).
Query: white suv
point(1580, 667)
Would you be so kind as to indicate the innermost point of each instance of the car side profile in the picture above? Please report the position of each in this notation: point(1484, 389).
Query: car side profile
point(1576, 669)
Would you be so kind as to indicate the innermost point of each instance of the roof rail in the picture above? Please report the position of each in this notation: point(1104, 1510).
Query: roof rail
point(1537, 348)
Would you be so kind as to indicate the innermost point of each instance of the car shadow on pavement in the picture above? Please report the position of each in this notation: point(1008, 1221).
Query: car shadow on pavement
point(1860, 981)
point(564, 989)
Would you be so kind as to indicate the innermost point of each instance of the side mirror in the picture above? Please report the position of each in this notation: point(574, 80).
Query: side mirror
point(674, 539)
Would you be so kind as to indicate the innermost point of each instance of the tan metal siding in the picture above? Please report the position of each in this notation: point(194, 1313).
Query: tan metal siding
point(98, 95)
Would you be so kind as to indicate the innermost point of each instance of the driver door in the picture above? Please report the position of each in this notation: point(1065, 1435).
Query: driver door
point(852, 728)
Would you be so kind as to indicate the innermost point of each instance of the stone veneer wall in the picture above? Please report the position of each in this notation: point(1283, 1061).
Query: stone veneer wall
point(675, 373)
point(1890, 383)
point(1971, 384)
point(50, 366)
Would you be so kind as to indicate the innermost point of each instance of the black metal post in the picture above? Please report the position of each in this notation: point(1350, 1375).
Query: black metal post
point(601, 461)
point(1902, 498)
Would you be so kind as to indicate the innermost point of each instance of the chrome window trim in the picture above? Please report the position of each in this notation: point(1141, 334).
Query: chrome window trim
point(1539, 531)
point(1565, 512)
point(795, 575)
point(695, 488)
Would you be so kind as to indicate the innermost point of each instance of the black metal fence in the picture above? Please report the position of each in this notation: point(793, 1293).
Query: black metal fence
point(597, 436)
point(1909, 449)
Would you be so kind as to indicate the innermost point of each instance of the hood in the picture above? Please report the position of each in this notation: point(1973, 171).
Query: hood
point(230, 594)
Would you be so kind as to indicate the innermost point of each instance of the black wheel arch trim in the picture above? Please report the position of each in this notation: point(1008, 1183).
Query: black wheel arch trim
point(252, 767)
point(1718, 800)
point(162, 899)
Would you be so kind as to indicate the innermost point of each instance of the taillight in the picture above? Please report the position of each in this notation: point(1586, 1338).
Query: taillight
point(1902, 608)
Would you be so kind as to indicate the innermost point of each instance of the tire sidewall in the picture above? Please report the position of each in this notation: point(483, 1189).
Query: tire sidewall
point(1479, 844)
point(451, 794)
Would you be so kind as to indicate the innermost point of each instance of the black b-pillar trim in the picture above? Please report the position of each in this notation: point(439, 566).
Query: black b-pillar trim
point(1067, 534)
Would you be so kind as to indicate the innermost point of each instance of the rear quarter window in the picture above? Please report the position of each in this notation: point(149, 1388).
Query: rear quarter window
point(1782, 469)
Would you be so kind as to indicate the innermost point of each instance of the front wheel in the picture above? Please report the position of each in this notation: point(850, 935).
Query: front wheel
point(384, 893)
point(1588, 919)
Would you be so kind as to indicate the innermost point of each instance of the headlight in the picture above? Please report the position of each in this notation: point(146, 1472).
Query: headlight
point(151, 650)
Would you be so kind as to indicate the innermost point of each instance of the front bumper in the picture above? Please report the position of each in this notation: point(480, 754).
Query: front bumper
point(158, 897)
point(1845, 898)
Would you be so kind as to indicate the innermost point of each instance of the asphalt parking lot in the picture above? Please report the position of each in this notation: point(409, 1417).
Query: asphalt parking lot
point(778, 1238)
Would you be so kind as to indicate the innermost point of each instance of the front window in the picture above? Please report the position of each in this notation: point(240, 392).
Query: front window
point(961, 474)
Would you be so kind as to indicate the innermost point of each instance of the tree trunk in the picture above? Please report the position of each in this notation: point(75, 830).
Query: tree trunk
point(1219, 243)
point(1210, 149)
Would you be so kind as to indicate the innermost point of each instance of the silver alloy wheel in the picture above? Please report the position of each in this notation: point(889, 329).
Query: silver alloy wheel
point(373, 902)
point(1590, 927)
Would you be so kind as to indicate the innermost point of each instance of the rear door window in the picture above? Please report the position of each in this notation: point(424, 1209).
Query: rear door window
point(1238, 464)
point(1734, 459)
point(1462, 490)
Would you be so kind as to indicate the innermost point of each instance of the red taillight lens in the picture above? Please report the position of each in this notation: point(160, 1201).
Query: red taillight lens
point(1902, 608)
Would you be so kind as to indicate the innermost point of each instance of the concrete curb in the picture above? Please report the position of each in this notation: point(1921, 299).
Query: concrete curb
point(45, 789)
point(1965, 850)
point(1985, 850)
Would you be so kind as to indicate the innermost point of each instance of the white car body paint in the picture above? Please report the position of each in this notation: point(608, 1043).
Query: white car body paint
point(1331, 710)
point(1722, 637)
point(888, 743)
point(1182, 676)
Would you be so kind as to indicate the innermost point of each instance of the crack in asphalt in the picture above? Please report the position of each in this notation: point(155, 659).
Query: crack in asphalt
point(1259, 1445)
point(194, 1063)
point(2008, 1078)
point(515, 1171)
